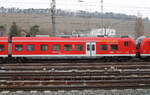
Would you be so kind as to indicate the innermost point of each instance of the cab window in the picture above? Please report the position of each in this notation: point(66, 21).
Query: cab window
point(67, 47)
point(2, 48)
point(18, 47)
point(56, 47)
point(30, 47)
point(103, 47)
point(79, 47)
point(44, 47)
point(126, 44)
point(114, 47)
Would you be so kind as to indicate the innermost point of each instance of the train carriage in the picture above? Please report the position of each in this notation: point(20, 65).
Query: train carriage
point(144, 48)
point(72, 47)
point(3, 47)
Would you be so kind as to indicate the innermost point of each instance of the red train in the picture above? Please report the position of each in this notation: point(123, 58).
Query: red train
point(73, 48)
point(143, 49)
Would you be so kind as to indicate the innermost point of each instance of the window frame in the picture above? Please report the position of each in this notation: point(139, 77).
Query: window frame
point(88, 47)
point(103, 48)
point(79, 46)
point(114, 45)
point(21, 48)
point(43, 45)
point(56, 45)
point(31, 45)
point(126, 43)
point(93, 47)
point(3, 49)
point(68, 49)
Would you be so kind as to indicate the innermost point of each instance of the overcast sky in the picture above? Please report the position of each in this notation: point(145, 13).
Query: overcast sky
point(131, 7)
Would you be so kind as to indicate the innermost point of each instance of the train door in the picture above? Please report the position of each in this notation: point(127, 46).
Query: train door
point(128, 47)
point(91, 49)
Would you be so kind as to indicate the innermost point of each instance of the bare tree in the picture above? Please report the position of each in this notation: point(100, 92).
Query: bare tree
point(14, 30)
point(2, 30)
point(139, 27)
point(34, 30)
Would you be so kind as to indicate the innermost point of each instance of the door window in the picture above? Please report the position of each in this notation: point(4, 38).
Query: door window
point(88, 47)
point(93, 47)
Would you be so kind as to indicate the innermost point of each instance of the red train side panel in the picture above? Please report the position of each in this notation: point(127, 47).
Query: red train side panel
point(3, 47)
point(38, 41)
point(145, 47)
point(73, 46)
point(126, 47)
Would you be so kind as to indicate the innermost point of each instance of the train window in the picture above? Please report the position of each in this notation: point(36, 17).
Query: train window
point(67, 47)
point(56, 47)
point(30, 47)
point(44, 47)
point(103, 47)
point(93, 47)
point(18, 47)
point(79, 47)
point(114, 47)
point(88, 47)
point(2, 47)
point(126, 44)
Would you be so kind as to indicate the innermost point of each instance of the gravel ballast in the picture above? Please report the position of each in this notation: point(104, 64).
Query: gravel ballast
point(83, 92)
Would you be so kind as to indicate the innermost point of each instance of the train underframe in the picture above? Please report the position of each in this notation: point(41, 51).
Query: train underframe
point(145, 58)
point(99, 59)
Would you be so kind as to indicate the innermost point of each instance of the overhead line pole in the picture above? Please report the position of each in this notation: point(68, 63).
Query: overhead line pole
point(102, 18)
point(102, 13)
point(53, 10)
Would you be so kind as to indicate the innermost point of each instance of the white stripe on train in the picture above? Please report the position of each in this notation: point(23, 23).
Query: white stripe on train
point(145, 54)
point(101, 55)
point(3, 55)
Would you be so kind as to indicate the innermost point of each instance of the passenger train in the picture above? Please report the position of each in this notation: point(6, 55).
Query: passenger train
point(103, 48)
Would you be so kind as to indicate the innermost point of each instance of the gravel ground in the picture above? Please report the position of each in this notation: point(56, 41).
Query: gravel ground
point(84, 92)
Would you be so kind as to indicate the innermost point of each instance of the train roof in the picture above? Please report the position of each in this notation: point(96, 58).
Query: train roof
point(3, 39)
point(51, 39)
point(145, 40)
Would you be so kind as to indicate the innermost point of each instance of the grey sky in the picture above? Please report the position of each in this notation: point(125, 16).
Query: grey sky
point(118, 6)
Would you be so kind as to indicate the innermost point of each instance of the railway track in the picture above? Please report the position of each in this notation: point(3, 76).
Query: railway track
point(75, 66)
point(69, 76)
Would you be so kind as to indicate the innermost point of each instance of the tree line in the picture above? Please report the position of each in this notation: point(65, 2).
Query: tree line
point(15, 31)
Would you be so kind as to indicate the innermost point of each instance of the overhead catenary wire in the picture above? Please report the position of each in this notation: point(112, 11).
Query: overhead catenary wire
point(96, 4)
